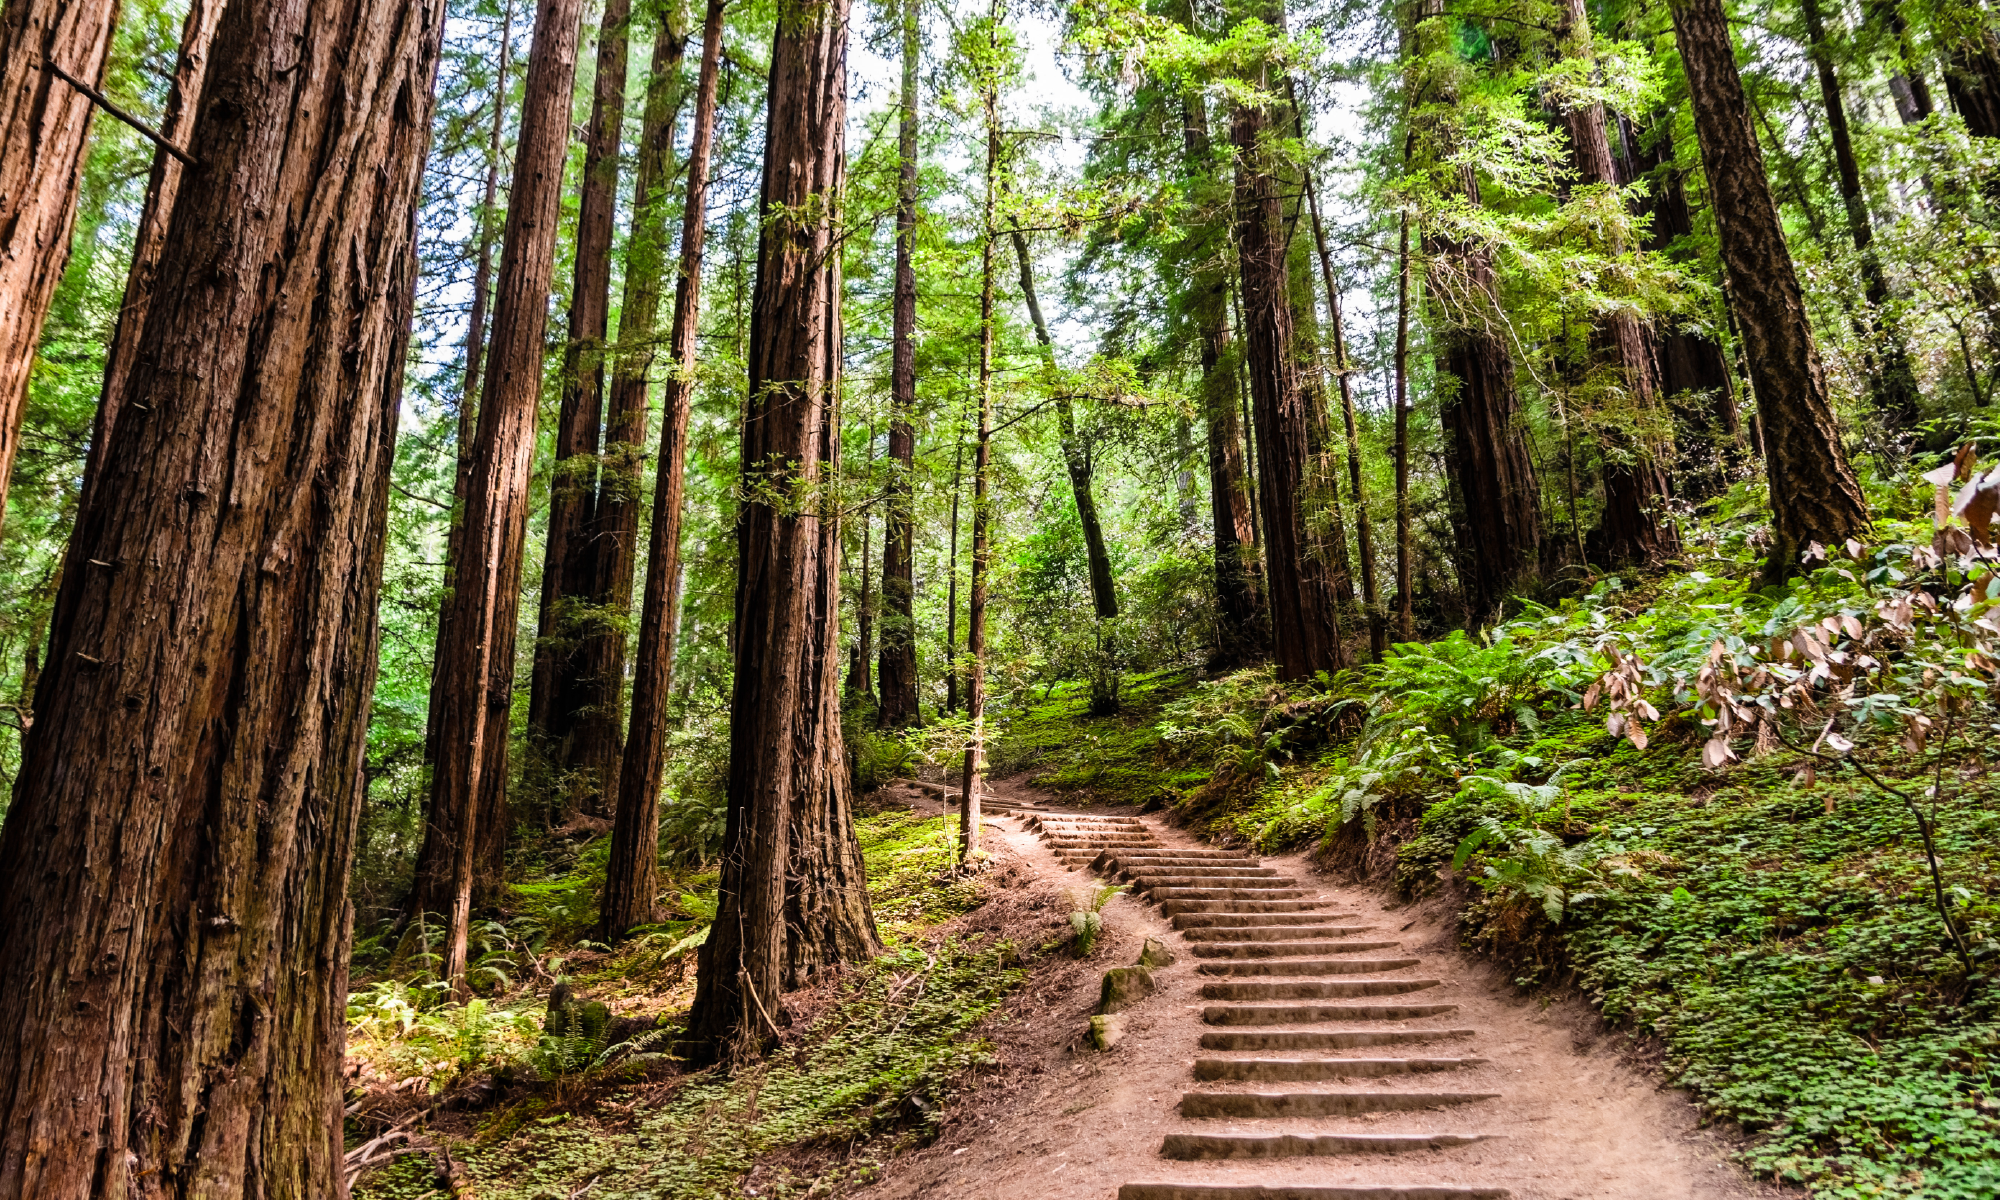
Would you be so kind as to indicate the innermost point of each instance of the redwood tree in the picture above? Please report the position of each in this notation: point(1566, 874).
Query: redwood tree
point(1305, 619)
point(792, 899)
point(896, 676)
point(473, 680)
point(567, 702)
point(631, 878)
point(174, 919)
point(44, 122)
point(1814, 493)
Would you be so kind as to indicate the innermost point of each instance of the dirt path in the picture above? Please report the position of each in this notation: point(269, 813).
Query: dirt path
point(1310, 1042)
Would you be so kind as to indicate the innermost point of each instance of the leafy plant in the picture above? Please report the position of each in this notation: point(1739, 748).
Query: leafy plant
point(1086, 917)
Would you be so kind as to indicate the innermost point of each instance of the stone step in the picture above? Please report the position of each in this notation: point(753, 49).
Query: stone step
point(1047, 825)
point(1244, 921)
point(1119, 859)
point(1313, 1014)
point(1245, 891)
point(1174, 908)
point(1325, 1039)
point(1315, 989)
point(1319, 1070)
point(1322, 926)
point(1319, 1104)
point(1300, 1191)
point(1117, 837)
point(1152, 873)
point(1200, 1147)
point(1182, 853)
point(1279, 949)
point(1304, 966)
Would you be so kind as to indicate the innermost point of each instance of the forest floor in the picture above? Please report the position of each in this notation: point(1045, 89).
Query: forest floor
point(1581, 1112)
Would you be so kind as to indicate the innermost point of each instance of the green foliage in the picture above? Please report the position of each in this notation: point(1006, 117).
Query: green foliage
point(1086, 917)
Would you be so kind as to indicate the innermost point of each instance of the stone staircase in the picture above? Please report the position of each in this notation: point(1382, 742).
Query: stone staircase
point(1280, 967)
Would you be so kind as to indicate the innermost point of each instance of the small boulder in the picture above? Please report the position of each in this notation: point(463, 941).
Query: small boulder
point(1105, 1032)
point(1124, 987)
point(1156, 954)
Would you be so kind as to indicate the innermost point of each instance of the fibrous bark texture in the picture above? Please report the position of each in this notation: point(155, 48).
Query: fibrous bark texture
point(792, 897)
point(473, 681)
point(1240, 638)
point(568, 700)
point(1814, 493)
point(174, 921)
point(631, 876)
point(44, 123)
point(1972, 70)
point(896, 674)
point(1305, 621)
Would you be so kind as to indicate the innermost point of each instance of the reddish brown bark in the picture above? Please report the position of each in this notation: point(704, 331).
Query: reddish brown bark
point(473, 681)
point(565, 695)
point(631, 880)
point(1814, 493)
point(1405, 616)
point(1305, 621)
point(1972, 69)
point(982, 461)
point(792, 897)
point(149, 239)
point(896, 675)
point(174, 922)
point(44, 123)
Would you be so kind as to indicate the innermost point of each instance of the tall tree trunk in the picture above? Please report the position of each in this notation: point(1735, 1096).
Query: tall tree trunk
point(1378, 640)
point(1305, 620)
point(631, 877)
point(1238, 603)
point(1076, 457)
point(565, 692)
point(174, 918)
point(1496, 501)
point(44, 125)
point(1892, 380)
point(431, 885)
point(792, 900)
point(473, 681)
point(149, 238)
point(975, 607)
point(1814, 494)
point(896, 676)
point(952, 665)
point(1972, 68)
point(1634, 528)
point(1405, 623)
point(864, 610)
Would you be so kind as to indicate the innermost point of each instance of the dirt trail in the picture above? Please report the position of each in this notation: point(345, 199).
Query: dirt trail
point(1346, 1048)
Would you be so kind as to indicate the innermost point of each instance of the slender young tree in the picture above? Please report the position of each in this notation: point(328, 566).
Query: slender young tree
point(44, 124)
point(1405, 616)
point(792, 899)
point(1892, 379)
point(1305, 619)
point(174, 916)
point(631, 877)
point(1815, 496)
point(566, 701)
point(149, 239)
point(982, 458)
point(896, 676)
point(473, 681)
point(953, 667)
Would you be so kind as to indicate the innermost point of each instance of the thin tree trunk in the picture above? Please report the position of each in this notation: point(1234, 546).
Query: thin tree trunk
point(1378, 638)
point(1892, 380)
point(1972, 69)
point(975, 608)
point(896, 676)
point(952, 665)
point(631, 876)
point(1634, 527)
point(1305, 620)
point(149, 238)
point(431, 885)
point(1814, 494)
point(864, 643)
point(474, 677)
point(1076, 458)
point(44, 125)
point(174, 917)
point(792, 898)
point(564, 692)
point(1239, 639)
point(1405, 623)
